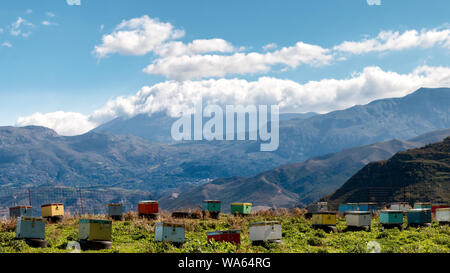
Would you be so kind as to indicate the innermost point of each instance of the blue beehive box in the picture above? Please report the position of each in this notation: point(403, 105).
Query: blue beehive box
point(419, 216)
point(391, 217)
point(368, 207)
point(16, 212)
point(30, 228)
point(170, 232)
point(347, 207)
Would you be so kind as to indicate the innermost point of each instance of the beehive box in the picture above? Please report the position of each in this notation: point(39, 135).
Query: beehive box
point(95, 230)
point(148, 207)
point(52, 210)
point(403, 206)
point(211, 205)
point(115, 210)
point(241, 208)
point(230, 236)
point(436, 206)
point(265, 231)
point(30, 228)
point(317, 207)
point(170, 232)
point(358, 218)
point(367, 207)
point(16, 212)
point(419, 216)
point(391, 217)
point(324, 218)
point(443, 215)
point(348, 207)
point(422, 205)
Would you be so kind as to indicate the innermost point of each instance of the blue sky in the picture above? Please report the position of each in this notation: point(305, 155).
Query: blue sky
point(49, 62)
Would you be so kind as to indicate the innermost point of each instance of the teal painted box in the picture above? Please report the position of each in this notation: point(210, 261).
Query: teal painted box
point(419, 216)
point(30, 228)
point(422, 205)
point(367, 207)
point(16, 212)
point(241, 208)
point(348, 207)
point(391, 217)
point(211, 205)
point(169, 232)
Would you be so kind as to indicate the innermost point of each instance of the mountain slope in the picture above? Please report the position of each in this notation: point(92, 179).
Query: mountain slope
point(418, 175)
point(299, 183)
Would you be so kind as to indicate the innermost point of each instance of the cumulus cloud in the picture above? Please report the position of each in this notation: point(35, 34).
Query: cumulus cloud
point(21, 27)
point(395, 41)
point(314, 96)
point(270, 46)
point(6, 44)
point(64, 123)
point(73, 2)
point(374, 2)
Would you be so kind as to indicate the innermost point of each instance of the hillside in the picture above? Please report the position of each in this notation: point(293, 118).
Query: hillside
point(300, 183)
point(418, 175)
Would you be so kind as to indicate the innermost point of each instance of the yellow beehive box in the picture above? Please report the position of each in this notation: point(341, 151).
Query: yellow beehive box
point(95, 230)
point(52, 210)
point(324, 218)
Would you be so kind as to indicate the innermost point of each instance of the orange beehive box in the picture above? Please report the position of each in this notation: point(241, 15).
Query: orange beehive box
point(148, 207)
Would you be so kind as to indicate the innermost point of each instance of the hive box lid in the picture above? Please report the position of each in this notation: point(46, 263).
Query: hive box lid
point(148, 202)
point(418, 210)
point(242, 204)
point(211, 201)
point(115, 205)
point(27, 218)
point(220, 232)
point(367, 203)
point(391, 211)
point(94, 221)
point(52, 204)
point(267, 223)
point(170, 224)
point(443, 209)
point(21, 207)
point(422, 203)
point(358, 212)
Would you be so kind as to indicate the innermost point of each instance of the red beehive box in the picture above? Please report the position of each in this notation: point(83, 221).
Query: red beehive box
point(438, 206)
point(230, 236)
point(148, 207)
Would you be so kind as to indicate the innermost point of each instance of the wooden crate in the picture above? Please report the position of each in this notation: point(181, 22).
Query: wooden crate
point(230, 236)
point(265, 231)
point(148, 207)
point(358, 218)
point(95, 230)
point(241, 208)
point(30, 228)
point(170, 232)
point(52, 210)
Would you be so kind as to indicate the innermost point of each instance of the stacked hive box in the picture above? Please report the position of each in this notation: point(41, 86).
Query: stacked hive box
point(53, 212)
point(403, 206)
point(241, 208)
point(325, 220)
point(230, 236)
point(443, 215)
point(262, 232)
point(95, 234)
point(348, 207)
point(372, 207)
point(170, 232)
point(419, 217)
point(148, 209)
point(16, 212)
point(115, 211)
point(422, 205)
point(32, 230)
point(436, 206)
point(391, 218)
point(358, 219)
point(211, 207)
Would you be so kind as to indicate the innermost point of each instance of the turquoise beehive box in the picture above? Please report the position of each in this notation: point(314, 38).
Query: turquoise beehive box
point(419, 216)
point(170, 232)
point(30, 228)
point(391, 217)
point(211, 205)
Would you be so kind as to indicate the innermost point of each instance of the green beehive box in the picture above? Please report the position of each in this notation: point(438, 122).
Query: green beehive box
point(241, 208)
point(211, 205)
point(391, 217)
point(30, 228)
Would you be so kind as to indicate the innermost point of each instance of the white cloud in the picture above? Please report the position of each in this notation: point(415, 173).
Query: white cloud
point(50, 14)
point(17, 28)
point(394, 41)
point(270, 46)
point(374, 2)
point(6, 44)
point(64, 123)
point(48, 23)
point(73, 2)
point(29, 11)
point(317, 96)
point(137, 36)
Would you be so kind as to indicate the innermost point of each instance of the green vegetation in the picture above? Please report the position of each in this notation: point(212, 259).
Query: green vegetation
point(137, 235)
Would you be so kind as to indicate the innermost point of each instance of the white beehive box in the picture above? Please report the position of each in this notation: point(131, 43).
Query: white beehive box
point(358, 218)
point(443, 215)
point(170, 232)
point(265, 231)
point(403, 206)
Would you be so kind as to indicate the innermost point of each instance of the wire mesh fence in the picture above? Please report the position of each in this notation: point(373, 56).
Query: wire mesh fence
point(77, 201)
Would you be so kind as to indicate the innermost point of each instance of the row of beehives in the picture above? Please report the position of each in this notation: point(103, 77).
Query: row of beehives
point(95, 234)
point(403, 206)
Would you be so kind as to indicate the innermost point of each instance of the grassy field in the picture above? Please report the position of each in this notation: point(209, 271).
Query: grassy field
point(134, 235)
